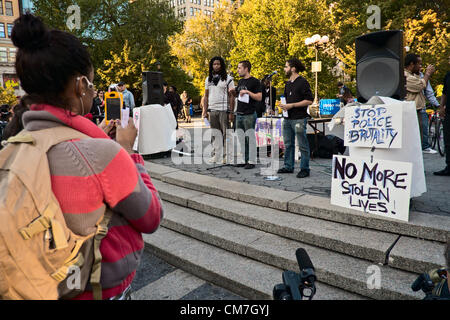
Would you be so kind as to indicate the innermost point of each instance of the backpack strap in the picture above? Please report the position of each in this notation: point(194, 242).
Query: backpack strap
point(102, 230)
point(46, 138)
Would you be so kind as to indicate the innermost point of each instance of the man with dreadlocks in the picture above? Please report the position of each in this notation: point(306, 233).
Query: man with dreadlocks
point(220, 104)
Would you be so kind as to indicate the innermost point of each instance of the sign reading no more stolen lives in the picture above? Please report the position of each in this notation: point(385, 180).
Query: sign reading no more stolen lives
point(377, 126)
point(379, 187)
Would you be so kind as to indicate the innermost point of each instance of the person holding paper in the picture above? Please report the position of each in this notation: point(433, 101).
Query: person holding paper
point(249, 93)
point(218, 101)
point(298, 95)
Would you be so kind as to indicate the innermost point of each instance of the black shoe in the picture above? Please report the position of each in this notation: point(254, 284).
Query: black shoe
point(284, 170)
point(445, 172)
point(249, 166)
point(303, 174)
point(240, 165)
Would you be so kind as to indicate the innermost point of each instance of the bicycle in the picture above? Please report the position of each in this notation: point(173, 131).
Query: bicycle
point(436, 131)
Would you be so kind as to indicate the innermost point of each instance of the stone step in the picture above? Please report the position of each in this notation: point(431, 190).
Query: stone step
point(420, 225)
point(243, 276)
point(371, 245)
point(336, 269)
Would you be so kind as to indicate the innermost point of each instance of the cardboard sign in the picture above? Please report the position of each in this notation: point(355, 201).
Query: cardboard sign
point(379, 187)
point(377, 126)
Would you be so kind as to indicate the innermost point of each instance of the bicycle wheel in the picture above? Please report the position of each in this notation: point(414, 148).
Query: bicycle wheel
point(440, 138)
point(432, 132)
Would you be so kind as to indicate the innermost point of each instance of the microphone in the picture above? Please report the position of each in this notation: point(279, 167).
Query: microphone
point(303, 260)
point(272, 74)
point(307, 272)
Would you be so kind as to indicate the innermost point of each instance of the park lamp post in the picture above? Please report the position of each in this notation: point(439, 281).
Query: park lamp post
point(317, 42)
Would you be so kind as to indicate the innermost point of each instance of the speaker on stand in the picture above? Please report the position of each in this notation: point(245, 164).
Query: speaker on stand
point(152, 88)
point(379, 65)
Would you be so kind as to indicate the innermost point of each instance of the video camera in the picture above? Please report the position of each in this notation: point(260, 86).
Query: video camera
point(296, 286)
point(428, 282)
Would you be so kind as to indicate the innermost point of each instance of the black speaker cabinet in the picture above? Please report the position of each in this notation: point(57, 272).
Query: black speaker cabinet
point(379, 65)
point(152, 88)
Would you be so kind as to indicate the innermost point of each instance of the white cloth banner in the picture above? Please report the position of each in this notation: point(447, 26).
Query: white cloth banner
point(156, 126)
point(379, 187)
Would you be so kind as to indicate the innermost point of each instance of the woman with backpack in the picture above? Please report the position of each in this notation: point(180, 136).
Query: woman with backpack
point(91, 175)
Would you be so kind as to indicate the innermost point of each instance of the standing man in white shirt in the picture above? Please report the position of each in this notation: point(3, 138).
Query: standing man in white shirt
point(220, 104)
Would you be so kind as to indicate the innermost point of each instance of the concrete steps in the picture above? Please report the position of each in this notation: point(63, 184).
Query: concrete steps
point(268, 225)
point(248, 278)
point(367, 244)
point(421, 225)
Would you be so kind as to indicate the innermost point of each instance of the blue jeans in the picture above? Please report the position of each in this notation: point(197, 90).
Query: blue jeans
point(247, 122)
point(423, 122)
point(292, 129)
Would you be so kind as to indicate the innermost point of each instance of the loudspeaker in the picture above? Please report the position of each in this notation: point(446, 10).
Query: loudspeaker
point(379, 65)
point(152, 88)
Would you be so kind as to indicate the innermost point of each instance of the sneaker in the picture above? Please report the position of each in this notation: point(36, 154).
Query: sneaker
point(445, 172)
point(212, 160)
point(284, 170)
point(303, 174)
point(249, 166)
point(429, 150)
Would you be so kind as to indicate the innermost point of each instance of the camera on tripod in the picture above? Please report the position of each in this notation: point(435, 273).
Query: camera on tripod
point(432, 284)
point(297, 286)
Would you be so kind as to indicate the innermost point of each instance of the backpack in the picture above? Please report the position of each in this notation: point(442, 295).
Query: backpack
point(37, 249)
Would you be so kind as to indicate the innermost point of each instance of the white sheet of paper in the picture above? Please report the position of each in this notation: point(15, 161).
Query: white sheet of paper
point(244, 98)
point(125, 117)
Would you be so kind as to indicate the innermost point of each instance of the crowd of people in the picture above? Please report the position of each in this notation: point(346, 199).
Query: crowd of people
point(56, 72)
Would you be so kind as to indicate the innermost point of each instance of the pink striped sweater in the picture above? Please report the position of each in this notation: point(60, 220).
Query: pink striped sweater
point(89, 174)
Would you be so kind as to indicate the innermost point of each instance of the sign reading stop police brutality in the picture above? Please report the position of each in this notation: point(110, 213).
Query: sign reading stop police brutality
point(377, 126)
point(380, 187)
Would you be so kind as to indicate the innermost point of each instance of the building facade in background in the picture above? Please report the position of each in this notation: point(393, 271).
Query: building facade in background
point(9, 11)
point(186, 9)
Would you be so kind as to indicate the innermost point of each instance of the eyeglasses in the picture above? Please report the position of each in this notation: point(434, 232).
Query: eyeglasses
point(90, 84)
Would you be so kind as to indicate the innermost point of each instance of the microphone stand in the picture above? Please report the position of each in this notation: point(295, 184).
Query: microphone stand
point(272, 177)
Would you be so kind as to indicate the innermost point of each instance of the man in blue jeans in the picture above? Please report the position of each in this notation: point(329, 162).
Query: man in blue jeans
point(429, 94)
point(298, 97)
point(249, 92)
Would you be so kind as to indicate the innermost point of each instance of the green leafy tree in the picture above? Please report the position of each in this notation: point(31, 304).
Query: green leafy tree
point(124, 38)
point(270, 32)
point(201, 39)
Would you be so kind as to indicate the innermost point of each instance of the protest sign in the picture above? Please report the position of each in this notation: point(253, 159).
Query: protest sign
point(377, 126)
point(379, 187)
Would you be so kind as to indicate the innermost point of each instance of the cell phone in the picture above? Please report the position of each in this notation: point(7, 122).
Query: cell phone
point(113, 106)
